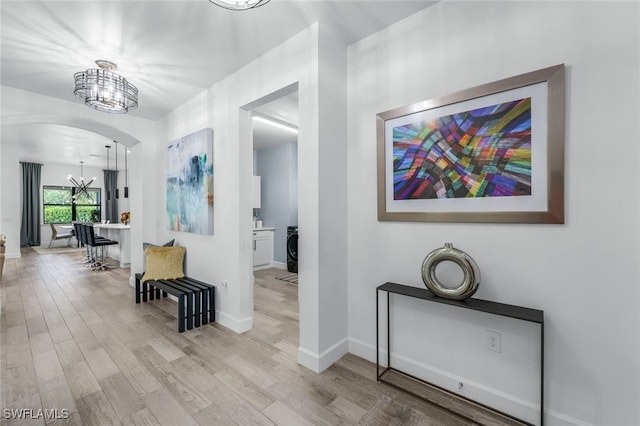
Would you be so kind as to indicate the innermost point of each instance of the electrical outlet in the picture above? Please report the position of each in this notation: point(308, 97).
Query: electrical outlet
point(225, 285)
point(494, 341)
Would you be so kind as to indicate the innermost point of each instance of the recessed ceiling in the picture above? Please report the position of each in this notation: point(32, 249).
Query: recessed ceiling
point(171, 50)
point(57, 144)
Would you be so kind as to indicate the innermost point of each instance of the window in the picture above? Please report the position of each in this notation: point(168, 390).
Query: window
point(59, 205)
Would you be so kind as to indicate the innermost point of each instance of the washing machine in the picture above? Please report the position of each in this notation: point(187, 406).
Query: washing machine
point(292, 249)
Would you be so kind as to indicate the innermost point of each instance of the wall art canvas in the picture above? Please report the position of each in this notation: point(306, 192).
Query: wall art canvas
point(190, 183)
point(484, 152)
point(492, 153)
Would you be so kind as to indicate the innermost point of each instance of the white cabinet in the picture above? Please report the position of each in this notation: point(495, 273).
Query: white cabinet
point(262, 247)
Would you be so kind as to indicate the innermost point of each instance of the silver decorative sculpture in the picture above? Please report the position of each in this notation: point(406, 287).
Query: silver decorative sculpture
point(469, 284)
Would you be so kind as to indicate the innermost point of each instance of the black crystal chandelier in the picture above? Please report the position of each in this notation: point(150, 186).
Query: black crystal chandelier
point(81, 186)
point(105, 90)
point(239, 4)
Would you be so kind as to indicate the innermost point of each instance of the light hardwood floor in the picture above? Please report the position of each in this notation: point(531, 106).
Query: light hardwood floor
point(74, 339)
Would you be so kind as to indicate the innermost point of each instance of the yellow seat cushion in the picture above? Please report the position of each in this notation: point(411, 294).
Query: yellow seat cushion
point(164, 263)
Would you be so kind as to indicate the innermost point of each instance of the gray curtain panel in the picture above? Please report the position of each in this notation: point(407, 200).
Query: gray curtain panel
point(30, 227)
point(110, 185)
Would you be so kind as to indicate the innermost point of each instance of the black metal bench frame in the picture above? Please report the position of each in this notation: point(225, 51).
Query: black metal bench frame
point(196, 300)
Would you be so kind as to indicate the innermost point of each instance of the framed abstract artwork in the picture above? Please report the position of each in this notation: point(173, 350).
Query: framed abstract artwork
point(491, 153)
point(189, 183)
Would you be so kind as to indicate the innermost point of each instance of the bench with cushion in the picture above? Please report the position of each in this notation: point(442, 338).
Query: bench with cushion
point(165, 275)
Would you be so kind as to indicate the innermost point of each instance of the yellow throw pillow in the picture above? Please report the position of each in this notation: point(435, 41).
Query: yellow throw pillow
point(164, 263)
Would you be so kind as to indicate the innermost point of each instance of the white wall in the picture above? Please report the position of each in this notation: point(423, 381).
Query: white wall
point(583, 274)
point(227, 254)
point(279, 206)
point(10, 199)
point(332, 195)
point(22, 108)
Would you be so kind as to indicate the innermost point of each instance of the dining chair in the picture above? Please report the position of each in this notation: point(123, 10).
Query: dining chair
point(55, 235)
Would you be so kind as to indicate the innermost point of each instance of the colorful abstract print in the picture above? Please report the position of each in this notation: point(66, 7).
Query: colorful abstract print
point(485, 152)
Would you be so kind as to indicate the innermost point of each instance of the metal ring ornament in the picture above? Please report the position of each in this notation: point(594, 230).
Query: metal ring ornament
point(469, 284)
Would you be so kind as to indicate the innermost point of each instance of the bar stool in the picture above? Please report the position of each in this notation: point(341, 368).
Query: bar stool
point(97, 242)
point(82, 236)
point(77, 227)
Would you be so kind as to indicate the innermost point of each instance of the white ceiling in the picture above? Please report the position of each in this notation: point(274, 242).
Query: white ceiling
point(171, 50)
point(283, 109)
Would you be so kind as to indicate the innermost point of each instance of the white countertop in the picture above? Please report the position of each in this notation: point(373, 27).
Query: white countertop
point(267, 228)
point(112, 226)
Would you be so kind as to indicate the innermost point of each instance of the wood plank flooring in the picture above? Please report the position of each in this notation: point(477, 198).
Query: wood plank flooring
point(75, 340)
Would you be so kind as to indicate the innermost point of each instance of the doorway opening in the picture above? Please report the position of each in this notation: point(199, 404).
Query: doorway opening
point(275, 217)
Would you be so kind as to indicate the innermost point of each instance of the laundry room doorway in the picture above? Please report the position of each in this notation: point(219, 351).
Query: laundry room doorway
point(275, 219)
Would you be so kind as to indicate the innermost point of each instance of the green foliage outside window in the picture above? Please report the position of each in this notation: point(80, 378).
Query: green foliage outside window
point(59, 206)
point(57, 214)
point(53, 195)
point(87, 214)
point(93, 198)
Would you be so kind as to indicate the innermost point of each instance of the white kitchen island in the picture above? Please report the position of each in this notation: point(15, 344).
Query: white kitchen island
point(120, 233)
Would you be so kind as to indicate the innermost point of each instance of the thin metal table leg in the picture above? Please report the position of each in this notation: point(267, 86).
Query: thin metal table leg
point(212, 305)
point(542, 373)
point(388, 333)
point(377, 340)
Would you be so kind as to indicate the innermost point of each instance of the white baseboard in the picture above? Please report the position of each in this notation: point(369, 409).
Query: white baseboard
point(526, 410)
point(279, 265)
point(320, 362)
point(366, 351)
point(237, 325)
point(12, 255)
point(507, 403)
point(274, 264)
point(554, 418)
point(257, 268)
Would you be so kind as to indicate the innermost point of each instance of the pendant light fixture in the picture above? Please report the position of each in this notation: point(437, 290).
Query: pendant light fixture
point(117, 190)
point(108, 169)
point(239, 4)
point(81, 186)
point(126, 175)
point(105, 90)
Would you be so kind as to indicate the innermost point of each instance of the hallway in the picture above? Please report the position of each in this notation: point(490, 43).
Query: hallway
point(75, 340)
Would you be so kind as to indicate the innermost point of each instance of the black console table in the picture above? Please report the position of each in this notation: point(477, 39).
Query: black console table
point(501, 309)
